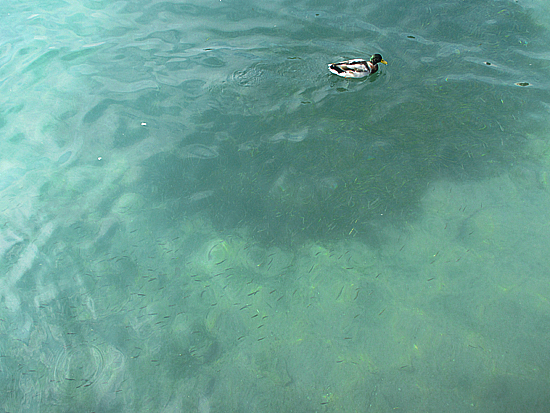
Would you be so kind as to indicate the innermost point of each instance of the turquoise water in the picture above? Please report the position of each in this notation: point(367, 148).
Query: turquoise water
point(197, 216)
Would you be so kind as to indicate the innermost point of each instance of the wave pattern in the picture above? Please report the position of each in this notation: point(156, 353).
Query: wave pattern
point(175, 179)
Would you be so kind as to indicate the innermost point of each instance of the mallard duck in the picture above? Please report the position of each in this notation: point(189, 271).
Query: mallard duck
point(357, 67)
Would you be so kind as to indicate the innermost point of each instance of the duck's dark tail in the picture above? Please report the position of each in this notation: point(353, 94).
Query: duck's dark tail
point(335, 69)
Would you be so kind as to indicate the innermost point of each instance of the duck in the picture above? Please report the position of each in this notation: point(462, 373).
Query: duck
point(357, 68)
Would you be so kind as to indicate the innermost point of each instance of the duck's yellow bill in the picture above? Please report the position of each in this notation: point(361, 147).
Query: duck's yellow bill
point(383, 61)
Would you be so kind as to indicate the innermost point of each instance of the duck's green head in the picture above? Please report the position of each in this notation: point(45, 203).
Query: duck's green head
point(377, 58)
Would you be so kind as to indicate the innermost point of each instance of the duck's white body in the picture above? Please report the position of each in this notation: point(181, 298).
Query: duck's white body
point(356, 68)
point(351, 68)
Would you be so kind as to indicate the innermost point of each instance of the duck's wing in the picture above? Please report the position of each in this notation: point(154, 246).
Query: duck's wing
point(350, 68)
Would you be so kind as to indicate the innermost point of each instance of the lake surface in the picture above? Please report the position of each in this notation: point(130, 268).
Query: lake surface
point(196, 216)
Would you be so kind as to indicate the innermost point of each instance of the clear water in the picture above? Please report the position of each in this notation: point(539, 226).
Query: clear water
point(197, 216)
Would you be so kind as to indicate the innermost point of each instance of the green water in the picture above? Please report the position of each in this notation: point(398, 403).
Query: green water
point(197, 216)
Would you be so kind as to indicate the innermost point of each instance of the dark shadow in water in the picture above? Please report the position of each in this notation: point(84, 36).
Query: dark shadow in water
point(349, 174)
